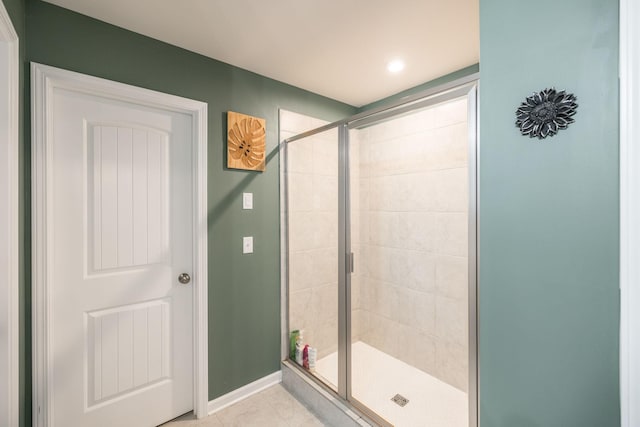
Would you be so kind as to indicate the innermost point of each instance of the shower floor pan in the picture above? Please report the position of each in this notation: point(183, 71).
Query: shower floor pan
point(377, 378)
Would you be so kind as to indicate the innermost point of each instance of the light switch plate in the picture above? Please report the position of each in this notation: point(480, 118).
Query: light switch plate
point(247, 245)
point(247, 200)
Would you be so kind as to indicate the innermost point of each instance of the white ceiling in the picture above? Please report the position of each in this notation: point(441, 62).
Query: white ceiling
point(336, 48)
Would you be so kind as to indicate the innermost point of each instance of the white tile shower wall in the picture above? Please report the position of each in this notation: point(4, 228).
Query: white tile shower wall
point(410, 202)
point(313, 226)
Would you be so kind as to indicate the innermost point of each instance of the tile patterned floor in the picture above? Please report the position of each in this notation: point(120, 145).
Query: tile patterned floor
point(273, 407)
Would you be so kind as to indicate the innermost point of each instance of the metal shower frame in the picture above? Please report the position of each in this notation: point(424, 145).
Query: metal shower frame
point(463, 87)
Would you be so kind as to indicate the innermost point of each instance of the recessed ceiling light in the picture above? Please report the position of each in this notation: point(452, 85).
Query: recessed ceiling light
point(395, 66)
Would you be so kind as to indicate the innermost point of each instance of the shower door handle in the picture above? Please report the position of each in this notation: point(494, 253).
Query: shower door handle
point(351, 263)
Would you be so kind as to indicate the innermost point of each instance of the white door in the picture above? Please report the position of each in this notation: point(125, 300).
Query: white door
point(120, 329)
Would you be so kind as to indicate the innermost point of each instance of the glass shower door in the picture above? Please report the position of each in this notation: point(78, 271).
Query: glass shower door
point(312, 251)
point(380, 258)
point(409, 210)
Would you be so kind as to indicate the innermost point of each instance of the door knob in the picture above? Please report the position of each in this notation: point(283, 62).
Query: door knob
point(184, 278)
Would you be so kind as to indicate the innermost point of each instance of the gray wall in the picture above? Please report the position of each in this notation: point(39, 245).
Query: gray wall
point(549, 218)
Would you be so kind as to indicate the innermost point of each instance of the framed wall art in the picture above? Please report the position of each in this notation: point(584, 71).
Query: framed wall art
point(246, 142)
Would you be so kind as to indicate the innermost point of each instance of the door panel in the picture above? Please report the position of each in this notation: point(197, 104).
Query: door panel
point(312, 203)
point(128, 182)
point(127, 348)
point(409, 229)
point(121, 323)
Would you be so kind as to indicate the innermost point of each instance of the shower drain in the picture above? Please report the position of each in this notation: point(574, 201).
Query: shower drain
point(400, 400)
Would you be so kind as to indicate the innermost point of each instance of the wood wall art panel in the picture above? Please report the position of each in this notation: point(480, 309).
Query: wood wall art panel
point(246, 142)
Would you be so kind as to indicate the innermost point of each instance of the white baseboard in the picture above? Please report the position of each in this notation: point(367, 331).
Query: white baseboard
point(243, 392)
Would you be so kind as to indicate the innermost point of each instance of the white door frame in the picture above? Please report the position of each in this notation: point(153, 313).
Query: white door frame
point(9, 243)
point(629, 213)
point(44, 80)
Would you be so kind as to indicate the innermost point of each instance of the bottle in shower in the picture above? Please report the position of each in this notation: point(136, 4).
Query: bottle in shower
point(313, 355)
point(299, 349)
point(293, 339)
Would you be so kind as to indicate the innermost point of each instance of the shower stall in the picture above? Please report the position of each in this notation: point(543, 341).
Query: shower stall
point(379, 265)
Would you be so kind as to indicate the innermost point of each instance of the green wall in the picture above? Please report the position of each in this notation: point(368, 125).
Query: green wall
point(549, 302)
point(422, 87)
point(244, 290)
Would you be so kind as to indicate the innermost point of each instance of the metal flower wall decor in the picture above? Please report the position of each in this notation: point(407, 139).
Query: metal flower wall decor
point(544, 113)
